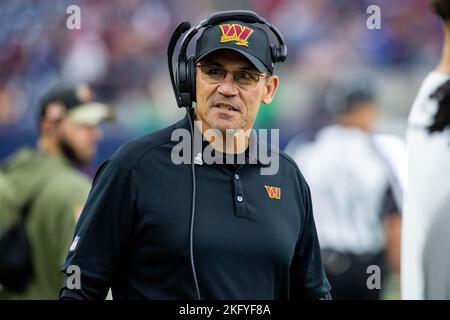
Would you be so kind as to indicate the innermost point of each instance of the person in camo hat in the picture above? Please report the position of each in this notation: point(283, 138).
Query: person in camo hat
point(47, 178)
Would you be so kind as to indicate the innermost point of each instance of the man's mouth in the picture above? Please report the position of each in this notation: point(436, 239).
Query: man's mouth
point(226, 106)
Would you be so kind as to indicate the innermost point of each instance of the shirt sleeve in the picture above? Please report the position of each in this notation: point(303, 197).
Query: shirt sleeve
point(390, 207)
point(103, 232)
point(308, 279)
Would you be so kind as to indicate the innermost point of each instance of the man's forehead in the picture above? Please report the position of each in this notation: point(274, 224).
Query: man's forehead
point(229, 58)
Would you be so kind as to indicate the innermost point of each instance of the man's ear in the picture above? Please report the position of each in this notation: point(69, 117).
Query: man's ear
point(271, 89)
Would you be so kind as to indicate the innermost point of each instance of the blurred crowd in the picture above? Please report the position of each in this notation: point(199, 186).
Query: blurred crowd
point(121, 50)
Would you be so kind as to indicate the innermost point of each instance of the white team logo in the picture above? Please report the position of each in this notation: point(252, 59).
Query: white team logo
point(198, 159)
point(73, 246)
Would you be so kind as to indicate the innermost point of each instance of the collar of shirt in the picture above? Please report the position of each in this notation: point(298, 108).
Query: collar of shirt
point(252, 155)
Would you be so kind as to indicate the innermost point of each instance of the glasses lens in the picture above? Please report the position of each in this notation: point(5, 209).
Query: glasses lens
point(242, 78)
point(246, 78)
point(213, 74)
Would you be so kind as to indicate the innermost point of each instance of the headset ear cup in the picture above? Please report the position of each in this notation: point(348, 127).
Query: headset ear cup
point(181, 75)
point(184, 81)
point(274, 51)
point(277, 54)
point(191, 69)
point(282, 53)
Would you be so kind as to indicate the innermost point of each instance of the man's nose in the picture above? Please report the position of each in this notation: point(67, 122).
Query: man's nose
point(228, 87)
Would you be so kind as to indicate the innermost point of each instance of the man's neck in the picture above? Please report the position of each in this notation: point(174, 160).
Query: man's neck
point(48, 146)
point(444, 64)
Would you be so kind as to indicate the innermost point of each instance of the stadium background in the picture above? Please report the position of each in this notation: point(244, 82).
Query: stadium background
point(121, 49)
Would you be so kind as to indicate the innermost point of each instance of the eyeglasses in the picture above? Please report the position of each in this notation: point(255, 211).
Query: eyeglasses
point(244, 79)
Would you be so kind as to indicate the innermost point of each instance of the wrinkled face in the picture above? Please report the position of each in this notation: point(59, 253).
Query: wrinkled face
point(79, 142)
point(227, 104)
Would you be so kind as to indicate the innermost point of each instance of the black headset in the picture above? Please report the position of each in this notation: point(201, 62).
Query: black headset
point(183, 82)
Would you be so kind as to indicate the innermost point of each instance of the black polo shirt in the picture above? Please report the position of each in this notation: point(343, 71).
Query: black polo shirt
point(251, 240)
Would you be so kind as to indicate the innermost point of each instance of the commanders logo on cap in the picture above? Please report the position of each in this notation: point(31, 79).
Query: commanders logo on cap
point(235, 32)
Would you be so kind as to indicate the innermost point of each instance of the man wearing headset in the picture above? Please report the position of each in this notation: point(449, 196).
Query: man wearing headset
point(156, 229)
